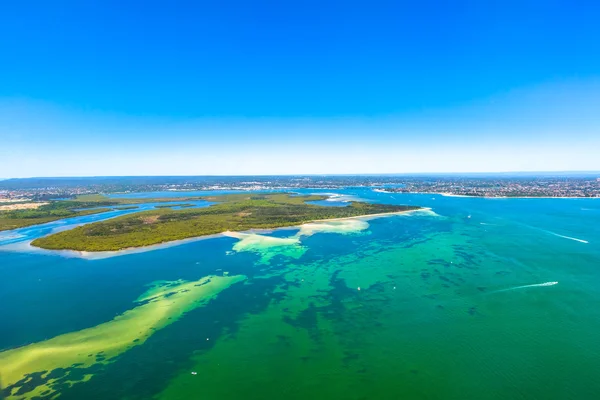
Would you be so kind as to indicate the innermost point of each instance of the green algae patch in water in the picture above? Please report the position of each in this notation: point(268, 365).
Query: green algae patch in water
point(40, 368)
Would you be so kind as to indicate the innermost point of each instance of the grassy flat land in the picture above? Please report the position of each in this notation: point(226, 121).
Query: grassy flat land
point(235, 212)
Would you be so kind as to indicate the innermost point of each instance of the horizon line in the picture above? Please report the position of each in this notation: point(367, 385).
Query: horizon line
point(546, 172)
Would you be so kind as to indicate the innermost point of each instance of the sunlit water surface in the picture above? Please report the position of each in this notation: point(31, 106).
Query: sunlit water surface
point(475, 299)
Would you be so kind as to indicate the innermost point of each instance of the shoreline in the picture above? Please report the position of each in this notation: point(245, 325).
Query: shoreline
point(445, 194)
point(515, 197)
point(97, 255)
point(369, 216)
point(448, 194)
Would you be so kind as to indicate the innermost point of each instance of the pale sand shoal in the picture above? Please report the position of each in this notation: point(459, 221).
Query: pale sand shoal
point(22, 206)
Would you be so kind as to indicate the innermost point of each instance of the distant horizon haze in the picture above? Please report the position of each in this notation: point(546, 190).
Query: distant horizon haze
point(409, 174)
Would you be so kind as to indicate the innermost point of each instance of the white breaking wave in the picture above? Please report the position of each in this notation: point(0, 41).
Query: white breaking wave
point(527, 286)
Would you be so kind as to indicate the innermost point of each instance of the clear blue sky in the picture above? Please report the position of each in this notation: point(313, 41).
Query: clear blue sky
point(266, 87)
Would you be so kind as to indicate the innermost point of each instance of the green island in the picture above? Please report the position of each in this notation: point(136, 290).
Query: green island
point(233, 212)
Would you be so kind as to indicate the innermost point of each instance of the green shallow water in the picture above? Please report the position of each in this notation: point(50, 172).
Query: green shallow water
point(446, 309)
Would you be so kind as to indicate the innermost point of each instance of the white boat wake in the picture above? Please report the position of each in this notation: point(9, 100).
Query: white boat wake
point(557, 234)
point(526, 286)
point(568, 237)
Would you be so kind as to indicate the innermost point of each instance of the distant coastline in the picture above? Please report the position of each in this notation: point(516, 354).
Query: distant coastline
point(450, 194)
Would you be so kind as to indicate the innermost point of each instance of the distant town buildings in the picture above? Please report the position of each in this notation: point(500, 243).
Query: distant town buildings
point(504, 187)
point(42, 189)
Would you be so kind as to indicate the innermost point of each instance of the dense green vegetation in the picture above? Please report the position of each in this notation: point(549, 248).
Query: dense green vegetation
point(235, 212)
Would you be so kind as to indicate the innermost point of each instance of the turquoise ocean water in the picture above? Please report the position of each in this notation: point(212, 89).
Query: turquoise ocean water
point(476, 299)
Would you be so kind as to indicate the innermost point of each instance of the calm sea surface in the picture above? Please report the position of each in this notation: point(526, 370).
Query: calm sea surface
point(477, 299)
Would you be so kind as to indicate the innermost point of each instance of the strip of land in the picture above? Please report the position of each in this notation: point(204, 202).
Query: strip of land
point(234, 212)
point(20, 218)
point(31, 213)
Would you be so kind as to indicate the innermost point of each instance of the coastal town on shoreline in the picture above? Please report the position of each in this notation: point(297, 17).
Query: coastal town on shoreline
point(537, 187)
point(22, 194)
